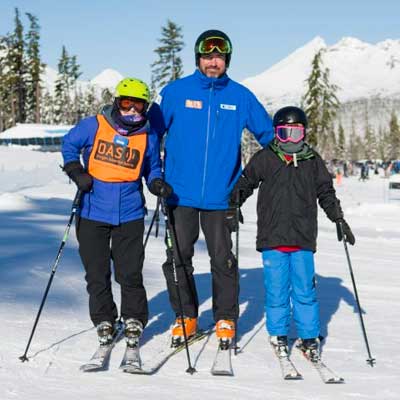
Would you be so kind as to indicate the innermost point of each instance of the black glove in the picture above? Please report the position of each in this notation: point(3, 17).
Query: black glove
point(82, 179)
point(240, 192)
point(231, 219)
point(160, 188)
point(348, 234)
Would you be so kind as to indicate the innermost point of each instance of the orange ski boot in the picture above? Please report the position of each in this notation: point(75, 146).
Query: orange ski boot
point(177, 330)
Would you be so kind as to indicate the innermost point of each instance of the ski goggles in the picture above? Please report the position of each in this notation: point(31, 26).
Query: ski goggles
point(212, 44)
point(289, 133)
point(127, 103)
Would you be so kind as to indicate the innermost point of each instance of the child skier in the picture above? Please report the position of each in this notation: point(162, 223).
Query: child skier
point(119, 147)
point(291, 177)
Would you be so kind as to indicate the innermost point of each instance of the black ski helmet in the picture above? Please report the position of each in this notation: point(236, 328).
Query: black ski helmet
point(208, 34)
point(290, 115)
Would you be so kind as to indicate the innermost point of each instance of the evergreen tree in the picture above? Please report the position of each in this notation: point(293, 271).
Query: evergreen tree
point(168, 67)
point(17, 71)
point(5, 95)
point(249, 146)
point(320, 104)
point(47, 115)
point(394, 137)
point(34, 69)
point(341, 144)
point(66, 97)
point(383, 148)
point(370, 144)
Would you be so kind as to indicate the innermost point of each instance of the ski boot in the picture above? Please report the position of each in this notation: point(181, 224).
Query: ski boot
point(133, 331)
point(225, 330)
point(177, 330)
point(106, 332)
point(280, 345)
point(310, 348)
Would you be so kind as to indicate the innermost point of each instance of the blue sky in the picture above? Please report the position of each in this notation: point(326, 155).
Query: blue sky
point(122, 35)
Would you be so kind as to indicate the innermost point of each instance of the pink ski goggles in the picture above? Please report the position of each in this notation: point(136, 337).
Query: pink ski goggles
point(289, 133)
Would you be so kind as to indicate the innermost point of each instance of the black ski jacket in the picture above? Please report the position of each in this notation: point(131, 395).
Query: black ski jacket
point(287, 198)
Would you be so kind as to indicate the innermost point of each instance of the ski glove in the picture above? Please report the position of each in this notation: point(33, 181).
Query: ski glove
point(160, 188)
point(231, 219)
point(77, 174)
point(240, 192)
point(348, 234)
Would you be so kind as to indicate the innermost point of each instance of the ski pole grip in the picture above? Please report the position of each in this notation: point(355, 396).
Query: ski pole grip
point(339, 231)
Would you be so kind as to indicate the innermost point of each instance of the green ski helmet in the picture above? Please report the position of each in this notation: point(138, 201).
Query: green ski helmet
point(133, 87)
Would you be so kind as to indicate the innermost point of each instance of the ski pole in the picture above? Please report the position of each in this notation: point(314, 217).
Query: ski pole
point(171, 243)
point(236, 348)
point(156, 217)
point(75, 206)
point(370, 360)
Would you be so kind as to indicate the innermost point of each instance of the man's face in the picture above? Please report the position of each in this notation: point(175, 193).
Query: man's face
point(212, 65)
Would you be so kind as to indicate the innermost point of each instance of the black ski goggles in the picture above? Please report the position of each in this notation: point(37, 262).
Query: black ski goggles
point(214, 44)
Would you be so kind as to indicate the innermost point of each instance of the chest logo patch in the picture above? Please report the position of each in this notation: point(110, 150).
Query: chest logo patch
point(197, 104)
point(231, 107)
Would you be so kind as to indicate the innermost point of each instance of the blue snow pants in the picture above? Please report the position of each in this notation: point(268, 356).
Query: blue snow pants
point(290, 289)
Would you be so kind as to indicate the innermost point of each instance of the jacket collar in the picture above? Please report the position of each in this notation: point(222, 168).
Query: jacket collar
point(206, 82)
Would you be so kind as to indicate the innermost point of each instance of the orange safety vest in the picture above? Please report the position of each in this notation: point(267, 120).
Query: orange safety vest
point(116, 158)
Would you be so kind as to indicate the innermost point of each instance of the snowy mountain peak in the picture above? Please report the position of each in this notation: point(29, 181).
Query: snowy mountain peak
point(361, 70)
point(107, 78)
point(350, 43)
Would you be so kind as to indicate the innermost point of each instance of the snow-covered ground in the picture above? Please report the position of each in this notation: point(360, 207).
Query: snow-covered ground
point(35, 200)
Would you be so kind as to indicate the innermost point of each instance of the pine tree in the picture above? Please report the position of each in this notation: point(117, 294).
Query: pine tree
point(249, 146)
point(168, 67)
point(394, 137)
point(341, 144)
point(321, 104)
point(370, 144)
point(66, 97)
point(34, 69)
point(17, 71)
point(5, 95)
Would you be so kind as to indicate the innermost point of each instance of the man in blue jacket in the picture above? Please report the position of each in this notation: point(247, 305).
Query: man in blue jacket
point(119, 147)
point(205, 114)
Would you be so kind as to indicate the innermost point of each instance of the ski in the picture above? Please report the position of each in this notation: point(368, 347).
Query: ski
point(222, 364)
point(101, 356)
point(288, 369)
point(131, 361)
point(165, 354)
point(326, 374)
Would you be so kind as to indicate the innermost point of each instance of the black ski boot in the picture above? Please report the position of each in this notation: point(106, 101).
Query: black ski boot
point(280, 345)
point(133, 331)
point(310, 348)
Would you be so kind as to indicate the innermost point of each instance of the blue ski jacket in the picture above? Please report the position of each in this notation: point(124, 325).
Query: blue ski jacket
point(112, 202)
point(204, 118)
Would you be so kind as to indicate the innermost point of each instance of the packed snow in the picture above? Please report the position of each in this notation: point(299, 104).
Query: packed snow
point(35, 201)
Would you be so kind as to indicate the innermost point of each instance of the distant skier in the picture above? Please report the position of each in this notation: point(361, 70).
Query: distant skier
point(291, 177)
point(119, 148)
point(364, 172)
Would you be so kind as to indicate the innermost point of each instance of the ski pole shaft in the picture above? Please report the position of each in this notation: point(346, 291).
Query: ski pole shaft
point(236, 348)
point(171, 243)
point(75, 206)
point(155, 218)
point(371, 361)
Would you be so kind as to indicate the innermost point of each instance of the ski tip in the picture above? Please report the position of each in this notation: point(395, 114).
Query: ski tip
point(293, 377)
point(335, 381)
